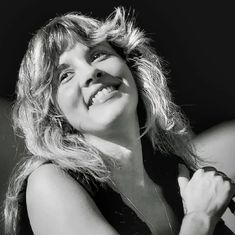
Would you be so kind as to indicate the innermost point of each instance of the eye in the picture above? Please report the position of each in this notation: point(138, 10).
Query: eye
point(66, 76)
point(99, 55)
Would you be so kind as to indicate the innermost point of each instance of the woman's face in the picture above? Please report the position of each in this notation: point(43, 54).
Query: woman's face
point(96, 90)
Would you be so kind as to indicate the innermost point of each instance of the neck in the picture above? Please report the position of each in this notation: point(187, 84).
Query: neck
point(124, 146)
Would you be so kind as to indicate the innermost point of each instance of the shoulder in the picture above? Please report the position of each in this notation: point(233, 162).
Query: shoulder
point(54, 197)
point(217, 145)
point(50, 190)
point(48, 179)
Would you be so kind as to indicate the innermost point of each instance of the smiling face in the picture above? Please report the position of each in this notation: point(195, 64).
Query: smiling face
point(96, 90)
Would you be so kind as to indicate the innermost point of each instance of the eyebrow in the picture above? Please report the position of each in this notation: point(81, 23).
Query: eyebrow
point(61, 67)
point(103, 45)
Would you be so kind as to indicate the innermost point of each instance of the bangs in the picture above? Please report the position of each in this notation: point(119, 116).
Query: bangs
point(60, 37)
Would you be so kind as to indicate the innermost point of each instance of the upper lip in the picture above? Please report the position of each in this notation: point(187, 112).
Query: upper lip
point(116, 83)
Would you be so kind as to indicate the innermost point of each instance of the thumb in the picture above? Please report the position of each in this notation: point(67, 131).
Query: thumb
point(183, 177)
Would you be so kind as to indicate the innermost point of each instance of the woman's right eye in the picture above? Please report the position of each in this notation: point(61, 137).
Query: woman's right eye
point(66, 76)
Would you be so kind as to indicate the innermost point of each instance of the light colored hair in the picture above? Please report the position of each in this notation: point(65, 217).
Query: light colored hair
point(48, 135)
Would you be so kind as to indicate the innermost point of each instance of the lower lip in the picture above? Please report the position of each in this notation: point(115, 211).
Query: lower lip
point(105, 98)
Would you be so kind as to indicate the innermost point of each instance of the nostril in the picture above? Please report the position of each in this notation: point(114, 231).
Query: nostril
point(96, 76)
point(99, 74)
point(89, 81)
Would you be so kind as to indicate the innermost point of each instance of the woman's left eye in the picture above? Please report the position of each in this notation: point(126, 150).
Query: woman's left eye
point(100, 55)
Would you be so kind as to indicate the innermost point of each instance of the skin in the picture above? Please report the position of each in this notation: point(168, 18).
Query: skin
point(205, 197)
point(85, 70)
point(214, 143)
point(112, 127)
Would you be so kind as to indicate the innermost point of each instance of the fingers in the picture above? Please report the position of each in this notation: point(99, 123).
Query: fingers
point(209, 191)
point(224, 179)
point(230, 189)
point(219, 173)
point(183, 177)
point(224, 176)
point(209, 168)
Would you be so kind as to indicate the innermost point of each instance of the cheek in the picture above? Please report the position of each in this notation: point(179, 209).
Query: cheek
point(71, 106)
point(118, 68)
point(115, 67)
point(68, 100)
point(129, 81)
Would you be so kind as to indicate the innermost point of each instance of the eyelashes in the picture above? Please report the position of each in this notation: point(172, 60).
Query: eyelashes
point(99, 55)
point(95, 56)
point(66, 76)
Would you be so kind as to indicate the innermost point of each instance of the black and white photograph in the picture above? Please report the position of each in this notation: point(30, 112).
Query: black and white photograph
point(117, 117)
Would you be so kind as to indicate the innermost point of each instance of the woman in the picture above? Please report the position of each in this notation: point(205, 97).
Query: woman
point(104, 139)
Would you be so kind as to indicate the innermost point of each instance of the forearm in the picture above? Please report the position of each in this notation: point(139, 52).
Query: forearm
point(197, 224)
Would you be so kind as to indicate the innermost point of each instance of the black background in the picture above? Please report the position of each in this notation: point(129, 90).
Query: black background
point(196, 39)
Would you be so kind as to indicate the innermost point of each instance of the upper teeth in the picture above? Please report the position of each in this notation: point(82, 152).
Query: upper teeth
point(100, 94)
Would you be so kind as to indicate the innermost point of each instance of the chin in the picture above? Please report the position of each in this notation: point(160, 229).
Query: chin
point(112, 118)
point(107, 117)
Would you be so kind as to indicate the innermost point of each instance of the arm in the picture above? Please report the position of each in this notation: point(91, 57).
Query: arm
point(217, 145)
point(197, 224)
point(58, 205)
point(205, 198)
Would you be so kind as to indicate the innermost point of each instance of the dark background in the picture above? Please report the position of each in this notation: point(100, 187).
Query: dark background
point(196, 39)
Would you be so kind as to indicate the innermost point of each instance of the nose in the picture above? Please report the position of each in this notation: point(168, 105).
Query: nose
point(92, 77)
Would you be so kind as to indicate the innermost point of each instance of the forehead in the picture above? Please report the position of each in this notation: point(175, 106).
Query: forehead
point(82, 50)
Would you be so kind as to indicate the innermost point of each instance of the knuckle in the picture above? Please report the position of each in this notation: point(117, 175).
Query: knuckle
point(227, 186)
point(199, 172)
point(211, 174)
point(218, 179)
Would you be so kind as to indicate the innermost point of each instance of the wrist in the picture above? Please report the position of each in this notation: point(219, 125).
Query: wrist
point(197, 223)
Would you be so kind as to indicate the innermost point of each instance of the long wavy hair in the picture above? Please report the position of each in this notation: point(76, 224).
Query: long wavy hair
point(48, 135)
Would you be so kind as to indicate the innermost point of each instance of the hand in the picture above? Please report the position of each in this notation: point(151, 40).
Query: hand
point(206, 192)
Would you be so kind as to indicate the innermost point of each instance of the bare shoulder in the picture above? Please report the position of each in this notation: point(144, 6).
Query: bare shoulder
point(57, 204)
point(49, 179)
point(50, 182)
point(217, 145)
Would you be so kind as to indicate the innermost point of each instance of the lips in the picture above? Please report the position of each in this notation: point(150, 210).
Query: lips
point(102, 91)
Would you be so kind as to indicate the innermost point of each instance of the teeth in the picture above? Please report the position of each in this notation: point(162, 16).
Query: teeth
point(98, 97)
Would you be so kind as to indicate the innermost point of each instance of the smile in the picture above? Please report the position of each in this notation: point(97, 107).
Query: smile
point(104, 94)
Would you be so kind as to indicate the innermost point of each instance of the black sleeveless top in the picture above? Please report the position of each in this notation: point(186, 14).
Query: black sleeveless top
point(122, 217)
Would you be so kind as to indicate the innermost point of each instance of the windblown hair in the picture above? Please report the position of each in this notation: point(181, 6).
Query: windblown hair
point(48, 135)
